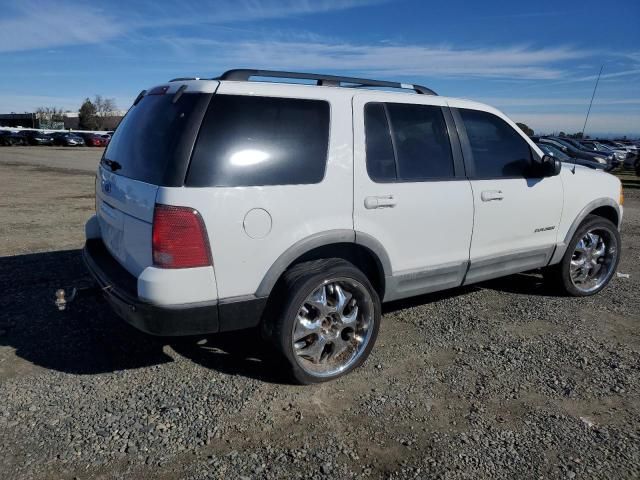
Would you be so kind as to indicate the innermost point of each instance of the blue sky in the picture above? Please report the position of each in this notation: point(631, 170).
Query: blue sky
point(537, 61)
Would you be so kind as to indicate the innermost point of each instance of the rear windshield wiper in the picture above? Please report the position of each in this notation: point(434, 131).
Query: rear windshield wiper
point(112, 164)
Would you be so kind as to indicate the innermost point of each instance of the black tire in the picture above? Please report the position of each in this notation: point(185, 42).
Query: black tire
point(558, 276)
point(297, 284)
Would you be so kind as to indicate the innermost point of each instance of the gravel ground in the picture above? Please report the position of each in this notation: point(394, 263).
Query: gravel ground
point(501, 380)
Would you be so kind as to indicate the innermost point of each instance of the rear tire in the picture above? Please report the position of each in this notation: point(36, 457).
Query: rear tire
point(326, 320)
point(590, 261)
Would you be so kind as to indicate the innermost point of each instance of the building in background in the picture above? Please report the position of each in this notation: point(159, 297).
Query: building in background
point(69, 121)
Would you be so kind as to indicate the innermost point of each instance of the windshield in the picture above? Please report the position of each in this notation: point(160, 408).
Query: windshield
point(573, 143)
point(562, 141)
point(551, 150)
point(604, 148)
point(154, 140)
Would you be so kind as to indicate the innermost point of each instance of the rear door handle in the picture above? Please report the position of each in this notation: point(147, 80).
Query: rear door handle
point(489, 195)
point(383, 201)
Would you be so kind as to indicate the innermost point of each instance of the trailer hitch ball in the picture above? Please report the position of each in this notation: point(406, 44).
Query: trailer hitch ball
point(62, 300)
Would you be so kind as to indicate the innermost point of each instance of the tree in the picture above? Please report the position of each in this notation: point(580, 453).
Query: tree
point(50, 114)
point(525, 128)
point(105, 107)
point(93, 114)
point(50, 117)
point(88, 116)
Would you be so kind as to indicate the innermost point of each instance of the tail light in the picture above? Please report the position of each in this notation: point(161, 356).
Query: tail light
point(179, 238)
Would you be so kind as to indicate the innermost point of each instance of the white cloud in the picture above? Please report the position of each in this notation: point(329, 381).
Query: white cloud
point(46, 24)
point(624, 73)
point(38, 24)
point(232, 11)
point(627, 124)
point(555, 102)
point(517, 62)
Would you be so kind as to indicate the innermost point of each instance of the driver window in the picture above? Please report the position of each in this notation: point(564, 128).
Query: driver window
point(498, 150)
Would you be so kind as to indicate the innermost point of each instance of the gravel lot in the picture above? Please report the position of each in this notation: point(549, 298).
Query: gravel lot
point(501, 380)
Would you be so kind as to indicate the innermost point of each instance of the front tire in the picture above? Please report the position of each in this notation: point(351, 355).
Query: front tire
point(328, 320)
point(590, 261)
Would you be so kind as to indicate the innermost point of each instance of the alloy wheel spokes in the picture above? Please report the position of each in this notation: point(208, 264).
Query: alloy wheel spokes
point(313, 350)
point(305, 328)
point(318, 300)
point(331, 326)
point(592, 260)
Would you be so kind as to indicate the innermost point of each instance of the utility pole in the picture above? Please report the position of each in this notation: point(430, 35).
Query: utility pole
point(591, 103)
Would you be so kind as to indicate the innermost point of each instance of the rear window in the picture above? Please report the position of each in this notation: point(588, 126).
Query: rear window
point(251, 141)
point(154, 139)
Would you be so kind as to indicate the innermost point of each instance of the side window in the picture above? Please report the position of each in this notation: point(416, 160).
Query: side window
point(419, 150)
point(252, 141)
point(421, 140)
point(381, 162)
point(498, 150)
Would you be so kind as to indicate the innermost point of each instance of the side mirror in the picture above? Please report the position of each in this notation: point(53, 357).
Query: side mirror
point(550, 166)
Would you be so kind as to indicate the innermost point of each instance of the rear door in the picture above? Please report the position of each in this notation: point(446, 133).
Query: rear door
point(150, 148)
point(410, 190)
point(516, 214)
point(124, 208)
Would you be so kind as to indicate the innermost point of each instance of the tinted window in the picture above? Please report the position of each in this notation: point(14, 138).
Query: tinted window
point(156, 136)
point(498, 150)
point(420, 142)
point(381, 162)
point(247, 141)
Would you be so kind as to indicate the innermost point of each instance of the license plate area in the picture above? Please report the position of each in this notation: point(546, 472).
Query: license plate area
point(112, 228)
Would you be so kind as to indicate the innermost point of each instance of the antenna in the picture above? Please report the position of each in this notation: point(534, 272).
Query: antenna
point(591, 102)
point(589, 111)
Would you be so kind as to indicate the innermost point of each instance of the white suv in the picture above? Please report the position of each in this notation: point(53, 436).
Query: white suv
point(227, 203)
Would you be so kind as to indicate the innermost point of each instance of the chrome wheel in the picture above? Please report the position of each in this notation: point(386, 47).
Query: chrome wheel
point(593, 260)
point(333, 327)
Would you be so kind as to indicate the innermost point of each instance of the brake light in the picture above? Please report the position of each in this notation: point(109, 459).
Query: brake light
point(179, 238)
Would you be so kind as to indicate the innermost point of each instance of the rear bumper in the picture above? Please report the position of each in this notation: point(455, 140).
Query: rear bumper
point(120, 290)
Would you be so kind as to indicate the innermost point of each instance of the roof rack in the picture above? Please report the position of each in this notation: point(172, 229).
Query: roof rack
point(244, 75)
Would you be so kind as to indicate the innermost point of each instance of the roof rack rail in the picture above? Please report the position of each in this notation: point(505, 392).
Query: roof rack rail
point(244, 75)
point(182, 79)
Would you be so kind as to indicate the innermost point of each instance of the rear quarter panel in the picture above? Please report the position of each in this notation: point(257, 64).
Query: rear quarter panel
point(296, 211)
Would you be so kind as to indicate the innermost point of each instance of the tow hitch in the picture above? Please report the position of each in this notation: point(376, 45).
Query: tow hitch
point(65, 296)
point(62, 300)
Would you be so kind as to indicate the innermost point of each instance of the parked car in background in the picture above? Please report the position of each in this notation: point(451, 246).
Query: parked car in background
point(6, 138)
point(36, 137)
point(629, 146)
point(574, 152)
point(608, 155)
point(93, 139)
point(9, 138)
point(68, 139)
point(563, 157)
point(617, 144)
point(621, 154)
